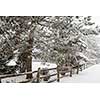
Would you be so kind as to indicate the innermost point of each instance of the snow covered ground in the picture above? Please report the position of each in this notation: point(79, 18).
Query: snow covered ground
point(89, 75)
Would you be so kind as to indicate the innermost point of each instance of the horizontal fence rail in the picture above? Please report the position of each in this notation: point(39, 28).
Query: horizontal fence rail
point(39, 76)
point(21, 74)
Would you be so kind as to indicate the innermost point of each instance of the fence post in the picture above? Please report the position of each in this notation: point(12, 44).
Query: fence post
point(81, 67)
point(71, 73)
point(58, 74)
point(38, 75)
point(0, 80)
point(84, 65)
point(78, 69)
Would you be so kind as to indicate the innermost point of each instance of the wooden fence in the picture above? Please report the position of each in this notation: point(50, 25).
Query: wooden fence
point(38, 75)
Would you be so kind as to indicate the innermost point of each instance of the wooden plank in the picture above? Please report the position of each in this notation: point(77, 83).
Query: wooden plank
point(52, 68)
point(21, 74)
point(58, 74)
point(0, 80)
point(71, 73)
point(13, 75)
point(77, 70)
point(64, 71)
point(38, 76)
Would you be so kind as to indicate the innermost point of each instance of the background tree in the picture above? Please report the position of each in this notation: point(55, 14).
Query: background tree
point(16, 32)
point(18, 35)
point(61, 37)
point(55, 39)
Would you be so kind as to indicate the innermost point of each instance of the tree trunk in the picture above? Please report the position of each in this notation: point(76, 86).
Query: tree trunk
point(29, 57)
point(29, 67)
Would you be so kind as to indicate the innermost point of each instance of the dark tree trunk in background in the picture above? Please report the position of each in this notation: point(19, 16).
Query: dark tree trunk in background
point(29, 57)
point(29, 67)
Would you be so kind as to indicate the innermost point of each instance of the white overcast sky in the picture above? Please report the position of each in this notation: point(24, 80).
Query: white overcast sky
point(96, 19)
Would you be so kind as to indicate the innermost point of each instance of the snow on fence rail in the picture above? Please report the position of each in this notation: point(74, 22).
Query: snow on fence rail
point(38, 75)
